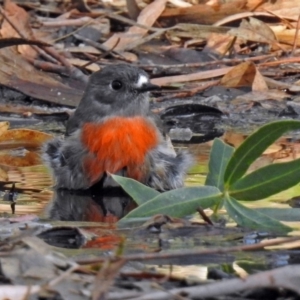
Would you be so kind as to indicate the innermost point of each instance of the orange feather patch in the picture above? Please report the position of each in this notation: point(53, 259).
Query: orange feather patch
point(117, 143)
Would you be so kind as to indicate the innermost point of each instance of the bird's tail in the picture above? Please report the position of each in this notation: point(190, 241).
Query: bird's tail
point(168, 170)
point(52, 153)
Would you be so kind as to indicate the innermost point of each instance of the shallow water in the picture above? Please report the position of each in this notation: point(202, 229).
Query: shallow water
point(37, 197)
point(35, 179)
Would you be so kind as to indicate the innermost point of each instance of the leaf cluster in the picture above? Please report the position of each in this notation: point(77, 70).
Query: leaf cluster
point(227, 183)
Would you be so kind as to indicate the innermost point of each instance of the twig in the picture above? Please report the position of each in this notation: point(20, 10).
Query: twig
point(48, 66)
point(69, 22)
point(130, 22)
point(64, 275)
point(181, 253)
point(76, 30)
point(190, 93)
point(205, 218)
point(102, 55)
point(211, 63)
point(116, 54)
point(279, 62)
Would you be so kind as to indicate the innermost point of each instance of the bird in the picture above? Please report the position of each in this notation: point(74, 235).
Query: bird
point(113, 131)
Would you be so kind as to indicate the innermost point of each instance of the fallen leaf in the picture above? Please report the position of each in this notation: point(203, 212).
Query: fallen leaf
point(287, 36)
point(29, 159)
point(218, 43)
point(3, 175)
point(3, 127)
point(20, 20)
point(190, 77)
point(245, 74)
point(204, 14)
point(254, 30)
point(259, 84)
point(147, 17)
point(24, 138)
point(19, 74)
point(210, 14)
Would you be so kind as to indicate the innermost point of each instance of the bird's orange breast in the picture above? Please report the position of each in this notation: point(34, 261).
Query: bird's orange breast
point(117, 143)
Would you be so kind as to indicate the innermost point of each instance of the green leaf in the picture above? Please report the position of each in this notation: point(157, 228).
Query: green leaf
point(251, 218)
point(266, 181)
point(137, 191)
point(291, 214)
point(254, 146)
point(220, 154)
point(179, 202)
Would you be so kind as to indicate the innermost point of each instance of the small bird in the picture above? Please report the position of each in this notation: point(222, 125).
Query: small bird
point(113, 131)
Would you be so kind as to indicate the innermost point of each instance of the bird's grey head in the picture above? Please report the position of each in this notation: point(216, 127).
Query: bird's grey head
point(120, 90)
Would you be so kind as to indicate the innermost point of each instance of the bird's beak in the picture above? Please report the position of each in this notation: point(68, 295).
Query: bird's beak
point(146, 87)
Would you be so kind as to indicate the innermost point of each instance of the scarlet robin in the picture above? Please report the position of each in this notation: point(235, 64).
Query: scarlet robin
point(113, 131)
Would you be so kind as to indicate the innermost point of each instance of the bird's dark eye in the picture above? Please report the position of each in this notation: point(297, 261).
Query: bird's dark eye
point(116, 85)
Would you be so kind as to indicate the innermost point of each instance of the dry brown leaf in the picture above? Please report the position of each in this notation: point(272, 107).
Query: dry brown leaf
point(240, 16)
point(218, 43)
point(233, 138)
point(259, 84)
point(205, 14)
point(240, 75)
point(80, 62)
point(289, 10)
point(24, 137)
point(21, 20)
point(36, 176)
point(255, 31)
point(147, 17)
point(29, 159)
point(245, 74)
point(196, 31)
point(133, 9)
point(272, 149)
point(17, 73)
point(290, 245)
point(191, 77)
point(83, 49)
point(3, 175)
point(285, 35)
point(3, 127)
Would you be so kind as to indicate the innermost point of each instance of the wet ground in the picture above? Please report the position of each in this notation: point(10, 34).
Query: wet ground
point(82, 225)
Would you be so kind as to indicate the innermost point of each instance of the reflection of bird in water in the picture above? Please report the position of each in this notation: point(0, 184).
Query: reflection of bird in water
point(113, 131)
point(111, 205)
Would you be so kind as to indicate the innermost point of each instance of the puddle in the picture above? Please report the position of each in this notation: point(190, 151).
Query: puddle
point(85, 222)
point(34, 182)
